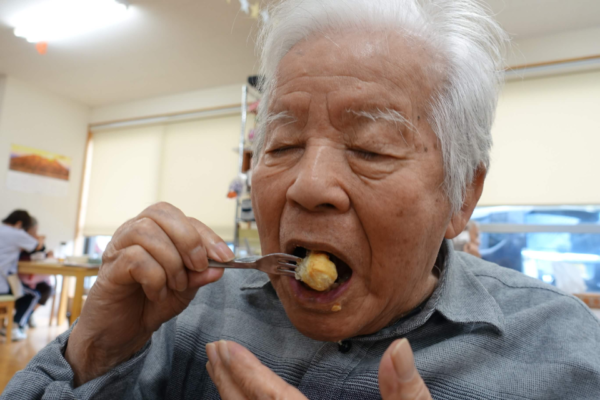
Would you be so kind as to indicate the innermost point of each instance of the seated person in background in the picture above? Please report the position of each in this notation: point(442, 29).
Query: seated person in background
point(13, 239)
point(372, 147)
point(39, 283)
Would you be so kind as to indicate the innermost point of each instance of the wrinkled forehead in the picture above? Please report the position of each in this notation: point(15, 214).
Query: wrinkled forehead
point(386, 64)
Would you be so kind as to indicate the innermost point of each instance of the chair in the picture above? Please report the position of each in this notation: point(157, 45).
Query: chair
point(53, 307)
point(7, 309)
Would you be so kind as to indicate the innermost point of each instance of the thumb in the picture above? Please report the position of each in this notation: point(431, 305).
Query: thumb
point(398, 376)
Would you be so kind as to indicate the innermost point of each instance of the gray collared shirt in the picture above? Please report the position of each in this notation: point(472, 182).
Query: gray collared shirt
point(486, 333)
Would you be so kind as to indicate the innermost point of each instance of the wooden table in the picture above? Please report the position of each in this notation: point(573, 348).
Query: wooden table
point(53, 267)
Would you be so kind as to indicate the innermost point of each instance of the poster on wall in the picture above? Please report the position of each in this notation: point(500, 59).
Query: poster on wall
point(38, 171)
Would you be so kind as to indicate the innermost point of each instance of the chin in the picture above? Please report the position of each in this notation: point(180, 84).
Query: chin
point(325, 328)
point(328, 317)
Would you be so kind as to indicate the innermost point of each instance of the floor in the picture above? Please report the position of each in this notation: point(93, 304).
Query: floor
point(15, 356)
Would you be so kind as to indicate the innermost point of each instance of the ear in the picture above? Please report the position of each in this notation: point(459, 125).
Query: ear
point(460, 219)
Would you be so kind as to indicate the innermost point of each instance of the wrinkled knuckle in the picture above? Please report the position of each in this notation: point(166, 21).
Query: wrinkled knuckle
point(197, 224)
point(194, 221)
point(108, 256)
point(133, 255)
point(142, 226)
point(163, 207)
point(122, 228)
point(163, 204)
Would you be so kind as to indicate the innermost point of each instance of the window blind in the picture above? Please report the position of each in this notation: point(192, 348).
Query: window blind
point(546, 140)
point(124, 177)
point(198, 163)
point(188, 164)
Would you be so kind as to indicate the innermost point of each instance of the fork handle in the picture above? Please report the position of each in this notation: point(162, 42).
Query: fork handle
point(230, 264)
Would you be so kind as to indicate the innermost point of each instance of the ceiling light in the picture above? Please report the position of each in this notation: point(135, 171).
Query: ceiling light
point(54, 20)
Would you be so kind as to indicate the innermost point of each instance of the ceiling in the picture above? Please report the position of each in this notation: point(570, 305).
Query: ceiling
point(183, 45)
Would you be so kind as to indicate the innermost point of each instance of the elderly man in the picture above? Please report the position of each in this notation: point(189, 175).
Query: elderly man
point(373, 147)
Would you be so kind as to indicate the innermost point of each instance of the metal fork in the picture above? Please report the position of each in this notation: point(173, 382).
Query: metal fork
point(276, 263)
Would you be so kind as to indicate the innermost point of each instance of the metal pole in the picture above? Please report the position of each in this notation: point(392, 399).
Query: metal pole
point(236, 238)
point(243, 131)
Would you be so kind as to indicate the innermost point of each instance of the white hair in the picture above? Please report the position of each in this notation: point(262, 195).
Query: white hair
point(470, 43)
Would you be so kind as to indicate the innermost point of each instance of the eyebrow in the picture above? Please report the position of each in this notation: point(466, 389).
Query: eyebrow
point(271, 118)
point(388, 115)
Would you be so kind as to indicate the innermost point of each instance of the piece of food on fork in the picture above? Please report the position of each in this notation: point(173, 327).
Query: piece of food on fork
point(317, 271)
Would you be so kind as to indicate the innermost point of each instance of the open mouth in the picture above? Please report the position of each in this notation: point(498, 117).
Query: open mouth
point(344, 272)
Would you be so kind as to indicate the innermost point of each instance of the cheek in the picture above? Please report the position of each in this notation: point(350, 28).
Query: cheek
point(404, 221)
point(268, 201)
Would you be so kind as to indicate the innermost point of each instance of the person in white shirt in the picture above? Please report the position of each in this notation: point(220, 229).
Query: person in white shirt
point(13, 239)
point(40, 283)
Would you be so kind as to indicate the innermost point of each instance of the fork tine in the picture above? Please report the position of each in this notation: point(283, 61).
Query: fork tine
point(291, 266)
point(288, 257)
point(285, 272)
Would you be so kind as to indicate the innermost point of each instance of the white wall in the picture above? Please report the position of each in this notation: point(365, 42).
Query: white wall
point(559, 46)
point(546, 142)
point(177, 103)
point(36, 118)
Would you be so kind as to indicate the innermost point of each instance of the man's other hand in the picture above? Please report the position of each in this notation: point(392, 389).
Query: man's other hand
point(239, 375)
point(398, 376)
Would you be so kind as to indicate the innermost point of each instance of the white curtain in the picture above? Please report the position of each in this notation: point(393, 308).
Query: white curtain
point(188, 164)
point(546, 142)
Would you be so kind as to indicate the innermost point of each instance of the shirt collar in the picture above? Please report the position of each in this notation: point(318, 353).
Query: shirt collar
point(463, 299)
point(459, 297)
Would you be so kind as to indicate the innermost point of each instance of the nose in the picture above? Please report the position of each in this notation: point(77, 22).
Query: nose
point(318, 183)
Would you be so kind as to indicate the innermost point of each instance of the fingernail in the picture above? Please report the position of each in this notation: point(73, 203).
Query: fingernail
point(181, 281)
point(222, 252)
point(211, 352)
point(224, 352)
point(198, 258)
point(403, 361)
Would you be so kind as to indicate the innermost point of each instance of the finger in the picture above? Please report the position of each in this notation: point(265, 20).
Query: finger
point(222, 380)
point(182, 233)
point(252, 378)
point(398, 376)
point(199, 279)
point(145, 232)
point(216, 247)
point(135, 265)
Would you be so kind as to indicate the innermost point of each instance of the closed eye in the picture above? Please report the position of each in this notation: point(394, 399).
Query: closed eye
point(282, 150)
point(366, 155)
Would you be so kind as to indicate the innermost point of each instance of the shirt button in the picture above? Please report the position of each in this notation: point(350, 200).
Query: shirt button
point(344, 346)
